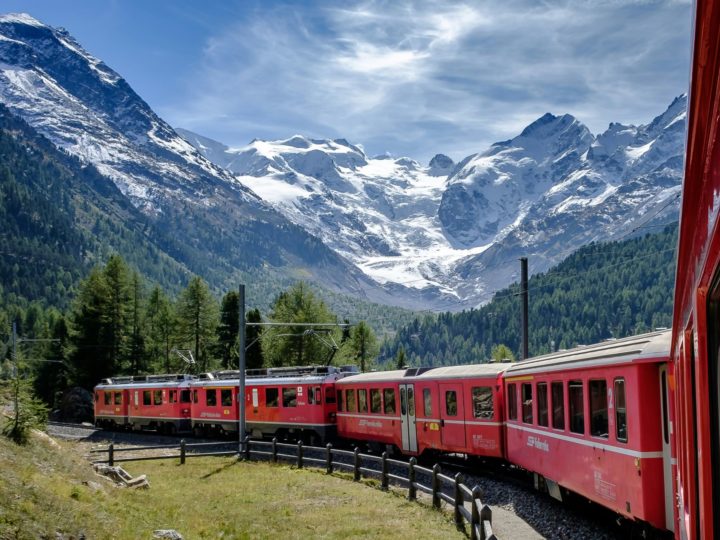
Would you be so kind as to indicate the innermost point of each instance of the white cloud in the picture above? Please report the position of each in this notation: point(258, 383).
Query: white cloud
point(418, 78)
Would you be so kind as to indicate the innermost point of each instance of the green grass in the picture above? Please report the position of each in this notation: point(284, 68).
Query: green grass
point(44, 490)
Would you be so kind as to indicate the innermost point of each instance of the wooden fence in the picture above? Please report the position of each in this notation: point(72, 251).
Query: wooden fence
point(452, 490)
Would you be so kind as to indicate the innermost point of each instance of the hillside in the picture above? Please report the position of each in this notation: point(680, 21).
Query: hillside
point(604, 290)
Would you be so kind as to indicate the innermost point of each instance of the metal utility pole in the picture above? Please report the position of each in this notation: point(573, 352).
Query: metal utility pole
point(524, 308)
point(241, 367)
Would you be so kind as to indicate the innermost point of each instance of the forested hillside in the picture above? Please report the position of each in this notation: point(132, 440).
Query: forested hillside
point(603, 290)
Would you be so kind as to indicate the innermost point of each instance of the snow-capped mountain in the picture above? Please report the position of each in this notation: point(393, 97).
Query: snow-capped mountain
point(457, 230)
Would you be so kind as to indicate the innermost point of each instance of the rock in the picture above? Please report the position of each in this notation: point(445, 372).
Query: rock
point(76, 406)
point(93, 485)
point(168, 534)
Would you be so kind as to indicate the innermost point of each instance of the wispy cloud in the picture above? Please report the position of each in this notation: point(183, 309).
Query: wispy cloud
point(422, 77)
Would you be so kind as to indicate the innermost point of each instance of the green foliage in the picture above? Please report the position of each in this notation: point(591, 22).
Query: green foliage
point(363, 345)
point(401, 358)
point(254, 357)
point(27, 411)
point(197, 319)
point(502, 353)
point(160, 328)
point(228, 329)
point(603, 290)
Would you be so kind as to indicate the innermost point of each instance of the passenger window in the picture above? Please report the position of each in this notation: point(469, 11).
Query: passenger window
point(598, 409)
point(118, 398)
point(211, 397)
point(512, 402)
point(158, 397)
point(482, 402)
point(147, 397)
point(350, 398)
point(330, 395)
point(558, 405)
point(451, 403)
point(375, 401)
point(362, 400)
point(340, 403)
point(226, 397)
point(411, 401)
point(184, 396)
point(289, 397)
point(108, 399)
point(527, 403)
point(318, 396)
point(427, 402)
point(542, 404)
point(577, 414)
point(621, 433)
point(271, 397)
point(389, 398)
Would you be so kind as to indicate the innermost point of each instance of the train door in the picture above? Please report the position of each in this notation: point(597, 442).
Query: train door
point(666, 450)
point(452, 415)
point(407, 417)
point(713, 371)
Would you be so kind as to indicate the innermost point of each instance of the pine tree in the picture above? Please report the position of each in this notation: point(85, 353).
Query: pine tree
point(228, 330)
point(136, 344)
point(253, 355)
point(117, 311)
point(197, 317)
point(363, 344)
point(160, 321)
point(401, 360)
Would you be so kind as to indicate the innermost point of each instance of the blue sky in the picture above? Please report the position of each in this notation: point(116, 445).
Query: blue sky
point(409, 78)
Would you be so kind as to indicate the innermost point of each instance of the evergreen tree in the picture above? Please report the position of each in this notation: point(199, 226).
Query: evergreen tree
point(197, 317)
point(401, 360)
point(52, 376)
point(502, 353)
point(160, 324)
point(253, 355)
point(137, 323)
point(363, 345)
point(117, 309)
point(228, 330)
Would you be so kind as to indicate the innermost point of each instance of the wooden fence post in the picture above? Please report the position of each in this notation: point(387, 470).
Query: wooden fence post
point(412, 489)
point(385, 479)
point(274, 449)
point(459, 501)
point(356, 465)
point(328, 459)
point(182, 451)
point(436, 485)
point(485, 515)
point(111, 454)
point(475, 522)
point(246, 447)
point(300, 455)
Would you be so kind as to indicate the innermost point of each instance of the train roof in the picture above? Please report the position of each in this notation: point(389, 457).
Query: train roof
point(424, 373)
point(615, 351)
point(144, 381)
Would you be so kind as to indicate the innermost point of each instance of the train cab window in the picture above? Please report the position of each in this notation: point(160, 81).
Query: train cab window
point(157, 397)
point(314, 396)
point(172, 396)
point(577, 413)
point(108, 399)
point(147, 397)
point(340, 403)
point(558, 405)
point(375, 401)
point(226, 397)
point(271, 397)
point(184, 396)
point(527, 403)
point(330, 395)
point(289, 397)
point(598, 408)
point(211, 397)
point(350, 399)
point(542, 404)
point(482, 400)
point(389, 399)
point(195, 396)
point(512, 402)
point(427, 402)
point(118, 398)
point(362, 400)
point(621, 433)
point(451, 403)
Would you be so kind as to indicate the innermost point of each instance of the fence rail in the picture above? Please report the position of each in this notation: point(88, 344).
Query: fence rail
point(478, 516)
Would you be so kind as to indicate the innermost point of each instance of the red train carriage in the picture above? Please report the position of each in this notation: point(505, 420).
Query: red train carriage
point(596, 421)
point(696, 317)
point(447, 409)
point(159, 402)
point(295, 402)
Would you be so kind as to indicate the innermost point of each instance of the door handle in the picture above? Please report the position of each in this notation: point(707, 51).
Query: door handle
point(442, 422)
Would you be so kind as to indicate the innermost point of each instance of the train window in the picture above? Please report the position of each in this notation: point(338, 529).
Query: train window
point(403, 401)
point(195, 396)
point(411, 400)
point(512, 402)
point(340, 403)
point(318, 396)
point(330, 395)
point(362, 400)
point(542, 404)
point(108, 399)
point(157, 397)
point(271, 397)
point(226, 397)
point(598, 408)
point(211, 397)
point(184, 396)
point(482, 399)
point(147, 397)
point(621, 433)
point(558, 405)
point(375, 401)
point(577, 414)
point(389, 399)
point(172, 396)
point(118, 398)
point(451, 403)
point(427, 402)
point(527, 403)
point(350, 399)
point(289, 397)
